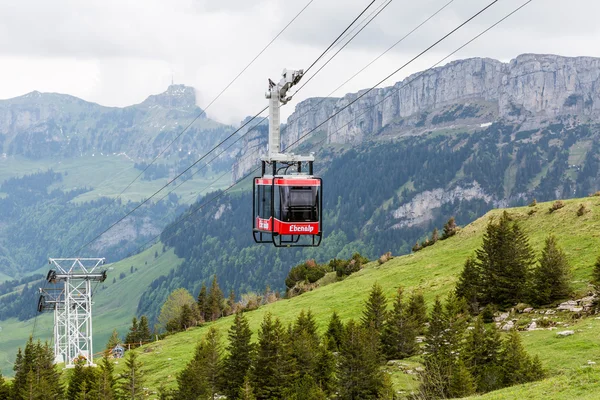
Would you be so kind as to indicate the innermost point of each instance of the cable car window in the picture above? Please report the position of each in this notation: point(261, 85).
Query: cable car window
point(298, 203)
point(264, 201)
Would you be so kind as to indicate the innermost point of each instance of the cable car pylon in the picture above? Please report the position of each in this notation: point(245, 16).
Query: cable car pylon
point(72, 306)
point(287, 197)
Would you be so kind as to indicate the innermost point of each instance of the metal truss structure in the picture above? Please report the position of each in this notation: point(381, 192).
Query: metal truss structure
point(72, 306)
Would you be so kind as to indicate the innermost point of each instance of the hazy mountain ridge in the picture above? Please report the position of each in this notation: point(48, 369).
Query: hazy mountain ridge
point(40, 125)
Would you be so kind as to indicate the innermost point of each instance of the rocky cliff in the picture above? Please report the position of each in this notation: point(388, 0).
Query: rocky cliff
point(530, 87)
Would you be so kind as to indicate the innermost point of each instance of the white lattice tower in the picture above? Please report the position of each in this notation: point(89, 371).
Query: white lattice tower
point(77, 275)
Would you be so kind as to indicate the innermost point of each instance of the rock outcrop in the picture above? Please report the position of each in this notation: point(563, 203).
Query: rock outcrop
point(538, 87)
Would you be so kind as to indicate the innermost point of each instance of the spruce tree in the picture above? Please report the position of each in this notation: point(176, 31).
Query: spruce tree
point(442, 345)
point(304, 342)
point(517, 366)
point(504, 260)
point(201, 377)
point(375, 313)
point(36, 375)
point(239, 359)
point(81, 382)
point(399, 331)
point(551, 278)
point(113, 341)
point(106, 384)
point(325, 368)
point(596, 272)
point(144, 334)
point(4, 389)
point(461, 383)
point(186, 317)
point(481, 356)
point(212, 362)
point(215, 301)
point(245, 391)
point(132, 379)
point(467, 286)
point(132, 338)
point(202, 302)
point(335, 331)
point(359, 372)
point(417, 310)
point(268, 376)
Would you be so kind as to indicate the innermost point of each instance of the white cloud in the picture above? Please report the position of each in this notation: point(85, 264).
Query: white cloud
point(117, 52)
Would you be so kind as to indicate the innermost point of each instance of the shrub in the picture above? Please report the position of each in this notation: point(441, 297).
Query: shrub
point(582, 210)
point(385, 258)
point(308, 271)
point(532, 211)
point(416, 247)
point(557, 205)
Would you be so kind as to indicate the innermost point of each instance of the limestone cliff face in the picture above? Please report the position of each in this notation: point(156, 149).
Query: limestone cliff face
point(530, 87)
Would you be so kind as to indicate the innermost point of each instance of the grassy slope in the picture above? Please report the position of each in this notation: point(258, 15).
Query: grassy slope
point(114, 306)
point(107, 176)
point(434, 271)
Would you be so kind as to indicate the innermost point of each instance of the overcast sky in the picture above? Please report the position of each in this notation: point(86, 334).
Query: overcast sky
point(117, 52)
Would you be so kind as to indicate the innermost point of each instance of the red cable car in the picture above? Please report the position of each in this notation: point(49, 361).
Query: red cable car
point(287, 208)
point(286, 205)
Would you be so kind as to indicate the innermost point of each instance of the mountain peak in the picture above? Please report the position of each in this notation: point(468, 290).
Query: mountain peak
point(176, 96)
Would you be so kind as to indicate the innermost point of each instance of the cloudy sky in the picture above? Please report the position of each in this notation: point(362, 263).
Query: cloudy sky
point(117, 52)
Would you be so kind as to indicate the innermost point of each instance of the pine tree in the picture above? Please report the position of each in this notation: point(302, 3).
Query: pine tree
point(551, 279)
point(505, 261)
point(202, 302)
point(417, 310)
point(132, 338)
point(481, 356)
point(132, 380)
point(335, 331)
point(215, 301)
point(399, 331)
point(467, 286)
point(239, 359)
point(268, 378)
point(106, 384)
point(359, 372)
point(596, 272)
point(375, 311)
point(144, 334)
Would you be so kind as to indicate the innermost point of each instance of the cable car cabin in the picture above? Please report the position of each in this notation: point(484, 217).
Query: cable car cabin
point(287, 210)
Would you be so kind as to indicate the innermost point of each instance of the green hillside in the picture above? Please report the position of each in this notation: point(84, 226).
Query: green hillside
point(434, 270)
point(115, 304)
